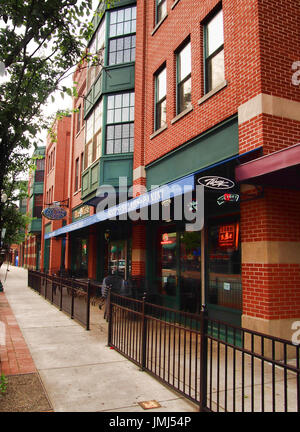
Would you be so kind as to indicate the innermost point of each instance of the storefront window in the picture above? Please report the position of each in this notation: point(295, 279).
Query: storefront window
point(168, 264)
point(117, 258)
point(80, 257)
point(224, 265)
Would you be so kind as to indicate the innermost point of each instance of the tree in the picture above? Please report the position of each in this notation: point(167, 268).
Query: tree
point(41, 41)
point(14, 222)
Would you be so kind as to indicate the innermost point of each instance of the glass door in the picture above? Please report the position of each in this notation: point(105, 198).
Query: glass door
point(224, 282)
point(190, 272)
point(179, 270)
point(168, 269)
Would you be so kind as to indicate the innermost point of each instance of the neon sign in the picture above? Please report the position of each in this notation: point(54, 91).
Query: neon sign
point(228, 198)
point(228, 236)
point(165, 240)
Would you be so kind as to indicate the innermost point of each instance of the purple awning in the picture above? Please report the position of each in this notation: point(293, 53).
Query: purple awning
point(278, 169)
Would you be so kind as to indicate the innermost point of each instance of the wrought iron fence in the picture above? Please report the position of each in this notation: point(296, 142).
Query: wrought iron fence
point(68, 294)
point(219, 366)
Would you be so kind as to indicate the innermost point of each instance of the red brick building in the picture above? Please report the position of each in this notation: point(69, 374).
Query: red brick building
point(212, 88)
point(56, 190)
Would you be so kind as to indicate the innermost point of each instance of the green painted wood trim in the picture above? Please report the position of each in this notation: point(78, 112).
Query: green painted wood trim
point(118, 78)
point(38, 188)
point(215, 145)
point(35, 225)
point(111, 163)
point(91, 187)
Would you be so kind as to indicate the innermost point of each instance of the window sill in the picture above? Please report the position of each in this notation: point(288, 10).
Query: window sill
point(158, 25)
point(182, 114)
point(158, 132)
point(79, 132)
point(77, 192)
point(175, 3)
point(213, 92)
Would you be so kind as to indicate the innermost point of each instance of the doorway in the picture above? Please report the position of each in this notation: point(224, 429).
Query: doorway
point(178, 269)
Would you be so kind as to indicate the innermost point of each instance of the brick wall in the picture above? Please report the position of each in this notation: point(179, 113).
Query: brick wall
point(261, 42)
point(271, 291)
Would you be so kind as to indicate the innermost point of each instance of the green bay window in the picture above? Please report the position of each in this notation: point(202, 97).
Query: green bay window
point(161, 99)
point(184, 80)
point(121, 45)
point(214, 52)
point(120, 123)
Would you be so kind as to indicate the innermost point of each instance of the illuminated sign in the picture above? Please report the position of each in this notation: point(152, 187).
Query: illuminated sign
point(216, 182)
point(54, 213)
point(166, 240)
point(228, 236)
point(228, 198)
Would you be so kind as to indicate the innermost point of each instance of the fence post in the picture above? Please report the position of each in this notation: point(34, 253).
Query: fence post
point(144, 334)
point(46, 285)
point(52, 287)
point(109, 316)
point(203, 359)
point(61, 293)
point(72, 299)
point(88, 298)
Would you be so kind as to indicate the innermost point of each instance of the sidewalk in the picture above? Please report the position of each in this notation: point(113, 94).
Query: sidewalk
point(78, 371)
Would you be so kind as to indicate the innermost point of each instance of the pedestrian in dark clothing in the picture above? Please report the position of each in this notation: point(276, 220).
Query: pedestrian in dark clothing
point(117, 285)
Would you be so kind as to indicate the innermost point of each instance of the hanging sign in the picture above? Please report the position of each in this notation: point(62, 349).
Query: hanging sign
point(215, 182)
point(54, 213)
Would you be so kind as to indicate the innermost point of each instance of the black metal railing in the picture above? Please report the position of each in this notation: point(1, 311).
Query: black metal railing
point(68, 294)
point(217, 365)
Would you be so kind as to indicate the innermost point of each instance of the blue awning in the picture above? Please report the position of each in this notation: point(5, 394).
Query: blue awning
point(154, 196)
point(176, 187)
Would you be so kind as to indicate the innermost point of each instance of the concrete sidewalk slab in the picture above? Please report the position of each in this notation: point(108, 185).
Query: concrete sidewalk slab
point(79, 372)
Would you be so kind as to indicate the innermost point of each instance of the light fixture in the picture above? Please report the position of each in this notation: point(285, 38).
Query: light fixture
point(107, 235)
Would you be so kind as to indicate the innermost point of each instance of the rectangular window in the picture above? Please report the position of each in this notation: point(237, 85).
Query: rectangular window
point(93, 137)
point(96, 48)
point(160, 99)
point(184, 80)
point(120, 123)
point(38, 205)
point(40, 164)
point(76, 175)
point(214, 52)
point(81, 167)
point(161, 9)
point(78, 119)
point(122, 36)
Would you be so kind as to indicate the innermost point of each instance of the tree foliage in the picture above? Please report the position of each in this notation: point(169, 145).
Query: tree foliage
point(14, 222)
point(41, 41)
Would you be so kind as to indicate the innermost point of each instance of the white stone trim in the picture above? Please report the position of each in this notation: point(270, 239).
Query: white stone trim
point(139, 172)
point(267, 104)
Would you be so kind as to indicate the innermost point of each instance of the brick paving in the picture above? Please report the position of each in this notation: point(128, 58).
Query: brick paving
point(15, 357)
